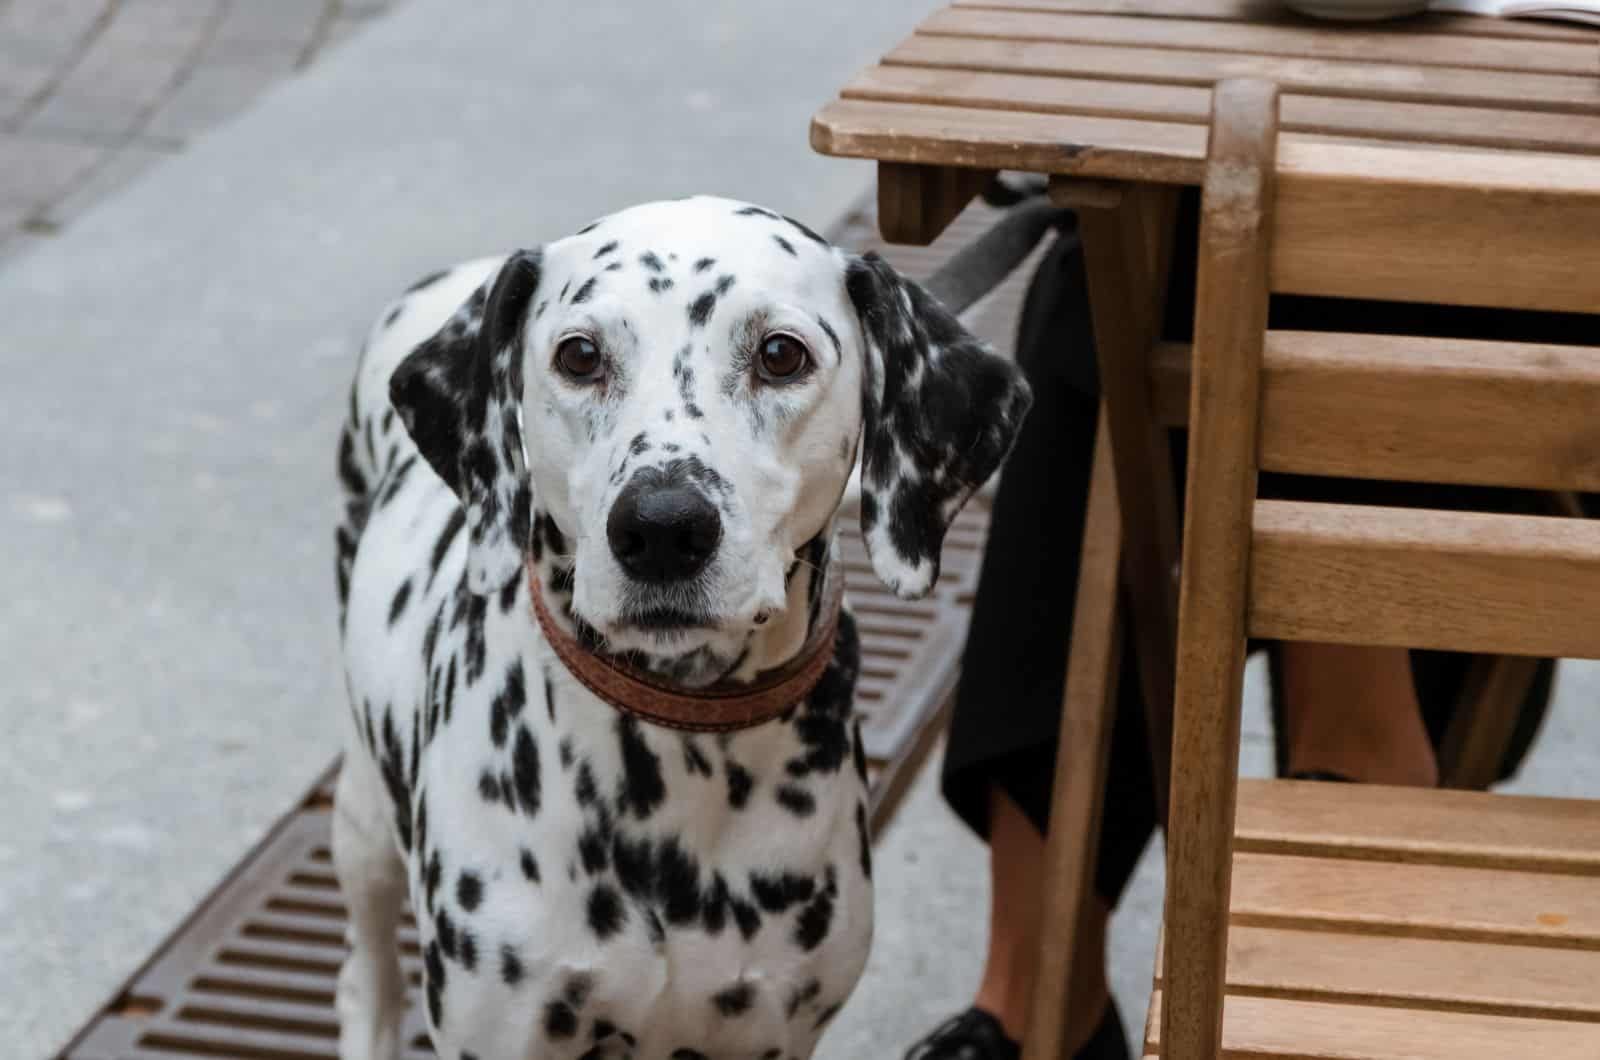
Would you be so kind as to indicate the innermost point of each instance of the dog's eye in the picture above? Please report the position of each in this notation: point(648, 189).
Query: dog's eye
point(783, 359)
point(579, 359)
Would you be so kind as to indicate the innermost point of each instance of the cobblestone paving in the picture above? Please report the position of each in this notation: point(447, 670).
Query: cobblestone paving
point(93, 92)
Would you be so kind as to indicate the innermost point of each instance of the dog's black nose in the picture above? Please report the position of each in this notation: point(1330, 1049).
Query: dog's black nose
point(662, 531)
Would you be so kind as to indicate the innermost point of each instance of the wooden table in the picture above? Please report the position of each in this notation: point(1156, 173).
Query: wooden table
point(1111, 99)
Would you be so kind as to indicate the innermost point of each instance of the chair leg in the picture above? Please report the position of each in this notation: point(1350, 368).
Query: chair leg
point(1083, 746)
point(1491, 700)
point(1485, 719)
point(1230, 330)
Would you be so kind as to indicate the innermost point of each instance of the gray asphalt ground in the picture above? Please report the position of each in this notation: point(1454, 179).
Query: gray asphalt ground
point(175, 350)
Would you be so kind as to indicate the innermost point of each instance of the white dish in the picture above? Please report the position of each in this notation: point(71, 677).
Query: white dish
point(1357, 10)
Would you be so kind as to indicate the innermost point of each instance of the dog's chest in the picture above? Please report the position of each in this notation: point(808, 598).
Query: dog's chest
point(581, 878)
point(661, 891)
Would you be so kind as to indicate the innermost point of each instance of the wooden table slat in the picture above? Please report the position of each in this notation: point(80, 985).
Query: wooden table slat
point(1362, 43)
point(1160, 152)
point(1403, 122)
point(1567, 93)
point(1272, 12)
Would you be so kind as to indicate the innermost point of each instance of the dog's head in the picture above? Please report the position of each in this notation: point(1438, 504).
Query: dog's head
point(675, 398)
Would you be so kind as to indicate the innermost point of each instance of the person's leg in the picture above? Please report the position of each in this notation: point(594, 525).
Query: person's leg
point(1016, 862)
point(1018, 817)
point(1353, 712)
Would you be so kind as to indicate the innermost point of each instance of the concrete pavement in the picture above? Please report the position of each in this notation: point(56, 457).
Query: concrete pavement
point(94, 92)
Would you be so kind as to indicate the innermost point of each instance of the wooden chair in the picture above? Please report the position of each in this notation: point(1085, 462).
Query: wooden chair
point(1371, 923)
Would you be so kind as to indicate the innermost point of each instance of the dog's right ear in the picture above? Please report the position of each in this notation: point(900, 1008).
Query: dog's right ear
point(939, 413)
point(459, 395)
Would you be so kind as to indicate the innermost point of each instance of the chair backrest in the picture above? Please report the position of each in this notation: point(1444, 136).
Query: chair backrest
point(1504, 232)
point(1485, 230)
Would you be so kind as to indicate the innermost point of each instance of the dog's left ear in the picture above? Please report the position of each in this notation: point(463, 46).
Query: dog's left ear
point(940, 413)
point(459, 395)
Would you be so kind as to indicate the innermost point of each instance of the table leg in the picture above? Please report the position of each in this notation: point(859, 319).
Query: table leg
point(1127, 249)
point(1088, 705)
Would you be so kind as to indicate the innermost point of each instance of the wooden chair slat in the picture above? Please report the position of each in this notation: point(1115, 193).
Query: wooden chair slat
point(1484, 229)
point(1405, 122)
point(1431, 410)
point(1441, 974)
point(1269, 11)
point(1562, 93)
point(1268, 1029)
point(1461, 581)
point(1377, 823)
point(1354, 43)
point(1344, 405)
point(1420, 901)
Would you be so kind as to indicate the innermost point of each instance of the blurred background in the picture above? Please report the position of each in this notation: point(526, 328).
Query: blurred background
point(202, 205)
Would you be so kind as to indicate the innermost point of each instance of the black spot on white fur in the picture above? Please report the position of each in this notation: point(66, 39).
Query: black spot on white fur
point(469, 891)
point(740, 781)
point(428, 281)
point(700, 309)
point(735, 1000)
point(560, 1022)
point(605, 912)
point(397, 607)
point(641, 788)
point(796, 800)
point(525, 771)
point(510, 966)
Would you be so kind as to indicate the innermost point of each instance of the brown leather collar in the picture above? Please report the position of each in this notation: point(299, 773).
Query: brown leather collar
point(722, 707)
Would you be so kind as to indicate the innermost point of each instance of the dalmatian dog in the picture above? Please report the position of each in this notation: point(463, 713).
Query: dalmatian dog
point(648, 426)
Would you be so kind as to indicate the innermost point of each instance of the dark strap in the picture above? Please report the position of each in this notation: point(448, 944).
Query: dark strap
point(722, 707)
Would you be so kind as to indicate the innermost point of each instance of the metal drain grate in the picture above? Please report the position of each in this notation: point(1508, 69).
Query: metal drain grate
point(250, 975)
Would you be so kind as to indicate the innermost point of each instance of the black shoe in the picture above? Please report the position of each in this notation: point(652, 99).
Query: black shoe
point(976, 1035)
point(1108, 1041)
point(973, 1035)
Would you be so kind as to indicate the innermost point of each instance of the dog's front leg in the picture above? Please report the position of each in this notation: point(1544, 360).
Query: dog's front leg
point(371, 995)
